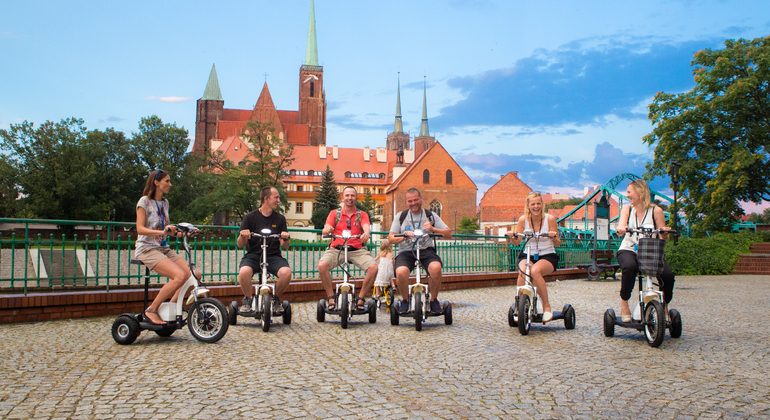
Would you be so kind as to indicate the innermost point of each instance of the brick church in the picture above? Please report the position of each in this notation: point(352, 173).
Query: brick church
point(385, 172)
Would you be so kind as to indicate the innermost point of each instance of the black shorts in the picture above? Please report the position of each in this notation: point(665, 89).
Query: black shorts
point(408, 258)
point(551, 258)
point(254, 261)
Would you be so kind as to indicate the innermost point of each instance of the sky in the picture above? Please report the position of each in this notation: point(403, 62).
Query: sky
point(555, 90)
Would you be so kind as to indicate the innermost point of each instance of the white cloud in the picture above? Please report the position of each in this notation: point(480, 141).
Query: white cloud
point(172, 99)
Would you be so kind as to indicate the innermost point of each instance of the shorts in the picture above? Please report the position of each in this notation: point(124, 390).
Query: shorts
point(361, 258)
point(152, 257)
point(408, 258)
point(253, 260)
point(552, 258)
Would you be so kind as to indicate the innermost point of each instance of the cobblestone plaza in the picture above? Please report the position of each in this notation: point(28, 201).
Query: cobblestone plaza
point(477, 368)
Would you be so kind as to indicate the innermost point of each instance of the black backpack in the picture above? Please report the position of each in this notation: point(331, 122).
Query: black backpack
point(429, 213)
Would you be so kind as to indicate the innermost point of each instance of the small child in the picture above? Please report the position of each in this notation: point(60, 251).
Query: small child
point(385, 266)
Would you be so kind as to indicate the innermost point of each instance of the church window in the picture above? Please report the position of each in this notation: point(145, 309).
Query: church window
point(312, 89)
point(426, 177)
point(448, 176)
point(435, 207)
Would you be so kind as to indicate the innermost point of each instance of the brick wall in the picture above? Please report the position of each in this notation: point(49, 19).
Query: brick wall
point(504, 201)
point(44, 307)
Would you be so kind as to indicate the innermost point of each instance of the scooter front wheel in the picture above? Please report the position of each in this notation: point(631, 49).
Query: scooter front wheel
point(523, 312)
point(267, 311)
point(344, 309)
point(418, 311)
point(654, 323)
point(207, 320)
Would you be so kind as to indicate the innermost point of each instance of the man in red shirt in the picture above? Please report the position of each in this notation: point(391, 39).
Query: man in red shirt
point(357, 222)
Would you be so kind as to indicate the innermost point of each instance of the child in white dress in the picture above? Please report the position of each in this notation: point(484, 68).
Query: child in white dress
point(385, 269)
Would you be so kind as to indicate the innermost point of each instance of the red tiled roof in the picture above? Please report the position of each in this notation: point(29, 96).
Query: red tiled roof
point(236, 114)
point(227, 129)
point(228, 147)
point(352, 160)
point(298, 134)
point(288, 117)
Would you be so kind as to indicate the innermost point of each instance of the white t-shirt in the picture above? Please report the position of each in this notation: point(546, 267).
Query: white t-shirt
point(153, 209)
point(413, 222)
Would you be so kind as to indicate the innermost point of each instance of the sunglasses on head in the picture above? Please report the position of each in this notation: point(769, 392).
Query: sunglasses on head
point(158, 173)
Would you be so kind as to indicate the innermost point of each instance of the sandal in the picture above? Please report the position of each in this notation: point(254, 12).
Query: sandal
point(331, 304)
point(360, 304)
point(146, 318)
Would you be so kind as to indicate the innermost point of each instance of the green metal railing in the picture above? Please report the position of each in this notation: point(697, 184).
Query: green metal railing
point(101, 258)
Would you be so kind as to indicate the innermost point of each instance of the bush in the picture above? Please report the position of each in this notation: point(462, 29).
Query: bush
point(716, 254)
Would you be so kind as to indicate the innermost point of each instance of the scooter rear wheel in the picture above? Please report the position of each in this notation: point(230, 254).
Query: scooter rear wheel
point(286, 313)
point(373, 312)
point(320, 311)
point(394, 313)
point(512, 316)
point(232, 313)
point(267, 311)
point(418, 311)
point(207, 320)
point(569, 317)
point(523, 312)
point(125, 329)
point(654, 323)
point(675, 329)
point(609, 323)
point(447, 313)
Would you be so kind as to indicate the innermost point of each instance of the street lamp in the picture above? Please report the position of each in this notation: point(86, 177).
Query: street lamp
point(675, 182)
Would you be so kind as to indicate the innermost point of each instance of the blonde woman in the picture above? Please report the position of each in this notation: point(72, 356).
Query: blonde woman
point(543, 250)
point(641, 212)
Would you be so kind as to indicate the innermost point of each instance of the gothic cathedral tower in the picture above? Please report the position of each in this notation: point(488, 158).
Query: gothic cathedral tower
point(398, 138)
point(209, 111)
point(312, 98)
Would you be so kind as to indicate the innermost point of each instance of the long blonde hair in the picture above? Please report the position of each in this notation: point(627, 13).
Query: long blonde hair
point(385, 249)
point(527, 212)
point(644, 192)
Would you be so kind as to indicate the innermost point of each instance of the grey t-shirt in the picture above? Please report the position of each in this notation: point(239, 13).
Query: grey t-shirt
point(152, 209)
point(412, 222)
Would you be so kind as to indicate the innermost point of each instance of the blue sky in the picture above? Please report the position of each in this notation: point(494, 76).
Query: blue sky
point(556, 90)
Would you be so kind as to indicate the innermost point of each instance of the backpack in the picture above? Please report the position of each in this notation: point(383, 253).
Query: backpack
point(339, 217)
point(402, 217)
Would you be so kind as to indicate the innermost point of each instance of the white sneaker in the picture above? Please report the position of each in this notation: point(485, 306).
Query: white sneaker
point(547, 316)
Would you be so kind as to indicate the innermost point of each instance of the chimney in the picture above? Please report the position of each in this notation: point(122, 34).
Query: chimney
point(366, 154)
point(408, 156)
point(382, 154)
point(335, 152)
point(322, 151)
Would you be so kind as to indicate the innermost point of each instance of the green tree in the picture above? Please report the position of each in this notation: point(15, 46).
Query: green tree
point(9, 189)
point(236, 188)
point(719, 131)
point(327, 198)
point(368, 205)
point(161, 146)
point(468, 226)
point(560, 204)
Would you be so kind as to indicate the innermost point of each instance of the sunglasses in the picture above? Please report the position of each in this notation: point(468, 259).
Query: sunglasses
point(158, 173)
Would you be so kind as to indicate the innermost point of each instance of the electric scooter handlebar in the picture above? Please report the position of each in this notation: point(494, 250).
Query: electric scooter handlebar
point(648, 232)
point(529, 233)
point(186, 229)
point(419, 233)
point(259, 235)
point(343, 236)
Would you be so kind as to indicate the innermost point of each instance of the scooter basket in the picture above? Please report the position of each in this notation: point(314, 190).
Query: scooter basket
point(650, 256)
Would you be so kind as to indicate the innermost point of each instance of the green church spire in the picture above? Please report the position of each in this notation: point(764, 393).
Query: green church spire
point(212, 87)
point(399, 127)
point(311, 54)
point(424, 125)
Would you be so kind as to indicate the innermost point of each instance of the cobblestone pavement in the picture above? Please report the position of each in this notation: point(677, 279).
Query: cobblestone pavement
point(477, 368)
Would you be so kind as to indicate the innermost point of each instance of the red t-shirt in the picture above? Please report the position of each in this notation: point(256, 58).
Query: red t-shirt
point(355, 227)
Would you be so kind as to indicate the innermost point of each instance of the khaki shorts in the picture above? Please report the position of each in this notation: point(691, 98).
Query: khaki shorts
point(361, 258)
point(152, 257)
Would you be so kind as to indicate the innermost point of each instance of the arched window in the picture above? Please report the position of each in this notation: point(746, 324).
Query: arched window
point(425, 177)
point(448, 176)
point(310, 173)
point(364, 175)
point(293, 172)
point(435, 207)
point(347, 174)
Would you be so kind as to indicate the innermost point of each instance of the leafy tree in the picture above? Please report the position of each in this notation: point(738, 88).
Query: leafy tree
point(236, 188)
point(368, 205)
point(327, 198)
point(661, 204)
point(161, 146)
point(9, 190)
point(560, 204)
point(720, 133)
point(468, 226)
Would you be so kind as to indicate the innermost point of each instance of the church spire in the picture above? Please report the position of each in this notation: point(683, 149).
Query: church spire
point(311, 54)
point(212, 87)
point(424, 125)
point(398, 127)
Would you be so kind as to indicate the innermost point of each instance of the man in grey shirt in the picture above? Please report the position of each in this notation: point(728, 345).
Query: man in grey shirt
point(406, 223)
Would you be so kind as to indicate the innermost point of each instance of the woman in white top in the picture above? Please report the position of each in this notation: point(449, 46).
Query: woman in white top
point(543, 251)
point(641, 212)
point(152, 249)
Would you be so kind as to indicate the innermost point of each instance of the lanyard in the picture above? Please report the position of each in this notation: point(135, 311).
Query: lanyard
point(411, 217)
point(162, 214)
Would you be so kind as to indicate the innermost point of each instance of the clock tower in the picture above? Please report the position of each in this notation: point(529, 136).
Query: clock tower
point(312, 98)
